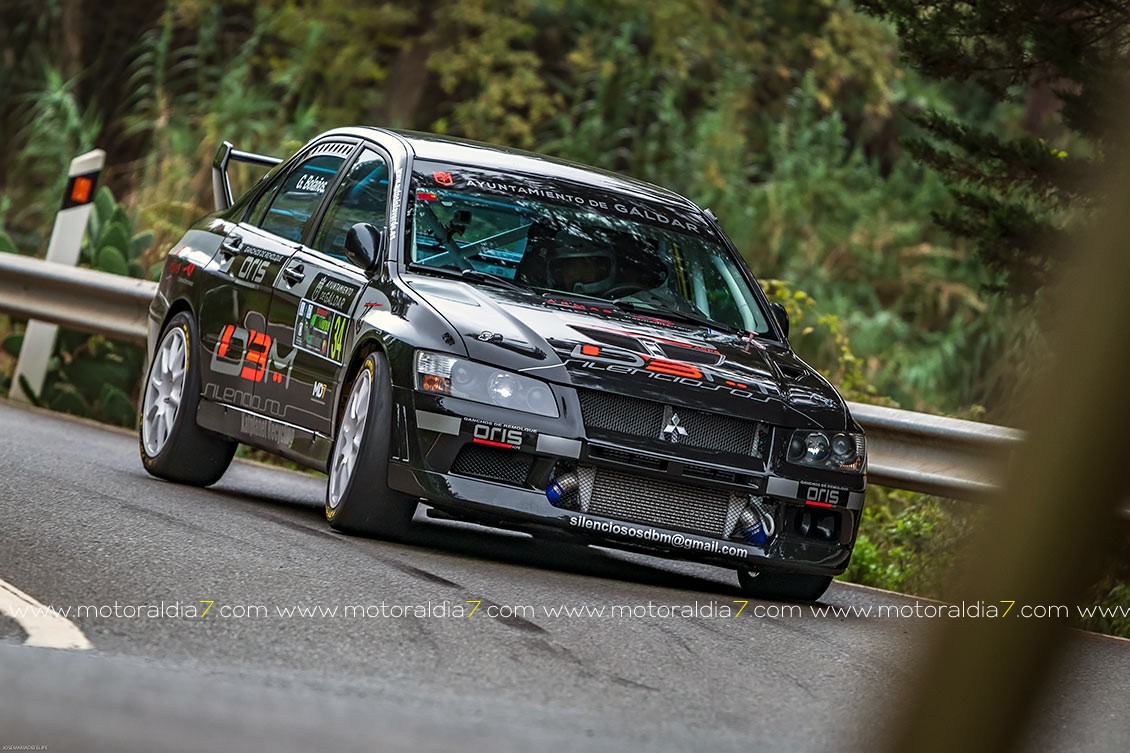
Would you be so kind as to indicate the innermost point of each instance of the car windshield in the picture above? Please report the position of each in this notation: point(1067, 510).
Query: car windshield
point(555, 237)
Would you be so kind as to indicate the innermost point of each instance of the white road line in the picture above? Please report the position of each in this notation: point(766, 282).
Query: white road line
point(43, 626)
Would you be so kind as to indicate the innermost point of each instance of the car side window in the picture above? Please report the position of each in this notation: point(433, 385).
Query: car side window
point(362, 197)
point(258, 209)
point(299, 196)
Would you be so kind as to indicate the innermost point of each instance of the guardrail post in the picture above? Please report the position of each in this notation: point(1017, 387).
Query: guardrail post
point(66, 241)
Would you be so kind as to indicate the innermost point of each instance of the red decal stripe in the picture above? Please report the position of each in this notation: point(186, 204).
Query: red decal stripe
point(491, 443)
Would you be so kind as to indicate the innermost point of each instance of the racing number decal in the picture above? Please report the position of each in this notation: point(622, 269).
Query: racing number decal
point(337, 340)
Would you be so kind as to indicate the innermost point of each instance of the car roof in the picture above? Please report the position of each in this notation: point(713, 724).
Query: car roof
point(434, 147)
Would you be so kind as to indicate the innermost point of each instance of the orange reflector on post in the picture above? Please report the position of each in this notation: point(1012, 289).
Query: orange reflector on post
point(80, 191)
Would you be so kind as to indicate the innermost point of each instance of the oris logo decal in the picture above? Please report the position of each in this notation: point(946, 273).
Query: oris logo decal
point(820, 494)
point(497, 435)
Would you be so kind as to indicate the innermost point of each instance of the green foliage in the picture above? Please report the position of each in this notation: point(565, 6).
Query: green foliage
point(1018, 194)
point(910, 542)
point(491, 72)
point(53, 129)
point(860, 241)
point(821, 337)
point(1112, 593)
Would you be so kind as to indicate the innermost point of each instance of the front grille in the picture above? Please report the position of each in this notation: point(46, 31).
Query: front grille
point(493, 463)
point(715, 474)
point(647, 419)
point(634, 459)
point(661, 503)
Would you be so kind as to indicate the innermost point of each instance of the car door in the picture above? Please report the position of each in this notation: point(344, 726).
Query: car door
point(316, 295)
point(241, 351)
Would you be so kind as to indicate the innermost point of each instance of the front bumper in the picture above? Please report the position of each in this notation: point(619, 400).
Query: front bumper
point(476, 462)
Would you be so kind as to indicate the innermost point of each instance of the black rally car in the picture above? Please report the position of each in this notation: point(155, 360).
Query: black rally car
point(515, 340)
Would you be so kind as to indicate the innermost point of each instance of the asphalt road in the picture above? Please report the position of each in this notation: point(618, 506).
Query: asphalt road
point(84, 525)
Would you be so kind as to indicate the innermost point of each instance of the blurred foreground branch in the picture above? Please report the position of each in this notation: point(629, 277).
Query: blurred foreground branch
point(1051, 527)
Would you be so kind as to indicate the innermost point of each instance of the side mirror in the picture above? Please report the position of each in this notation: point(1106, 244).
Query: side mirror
point(365, 246)
point(782, 317)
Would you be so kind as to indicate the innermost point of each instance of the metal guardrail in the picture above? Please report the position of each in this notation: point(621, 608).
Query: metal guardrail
point(81, 299)
point(933, 454)
point(906, 450)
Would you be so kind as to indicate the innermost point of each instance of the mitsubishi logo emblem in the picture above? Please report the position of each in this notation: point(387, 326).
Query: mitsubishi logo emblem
point(672, 432)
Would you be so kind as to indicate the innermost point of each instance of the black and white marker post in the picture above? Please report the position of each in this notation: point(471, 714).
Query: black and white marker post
point(66, 241)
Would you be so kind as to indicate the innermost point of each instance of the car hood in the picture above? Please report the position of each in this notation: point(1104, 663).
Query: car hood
point(587, 345)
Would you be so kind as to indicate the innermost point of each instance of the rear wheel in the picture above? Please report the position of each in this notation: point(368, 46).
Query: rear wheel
point(173, 446)
point(783, 586)
point(358, 498)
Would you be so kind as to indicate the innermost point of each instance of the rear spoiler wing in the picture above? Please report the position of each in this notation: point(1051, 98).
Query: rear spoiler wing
point(221, 186)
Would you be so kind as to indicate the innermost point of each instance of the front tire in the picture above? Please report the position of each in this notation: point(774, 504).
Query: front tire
point(783, 586)
point(173, 446)
point(358, 498)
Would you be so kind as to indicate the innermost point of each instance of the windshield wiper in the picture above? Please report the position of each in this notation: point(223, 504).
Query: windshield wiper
point(673, 314)
point(646, 308)
point(476, 275)
point(471, 275)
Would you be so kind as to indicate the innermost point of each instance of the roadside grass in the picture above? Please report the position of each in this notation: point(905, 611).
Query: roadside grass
point(915, 544)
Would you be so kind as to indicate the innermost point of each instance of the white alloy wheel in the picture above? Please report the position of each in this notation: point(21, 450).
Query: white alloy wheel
point(164, 391)
point(347, 449)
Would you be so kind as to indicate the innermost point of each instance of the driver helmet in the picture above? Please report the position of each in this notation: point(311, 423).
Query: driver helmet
point(579, 262)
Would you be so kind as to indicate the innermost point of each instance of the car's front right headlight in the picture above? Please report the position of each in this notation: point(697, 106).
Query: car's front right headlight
point(834, 451)
point(442, 374)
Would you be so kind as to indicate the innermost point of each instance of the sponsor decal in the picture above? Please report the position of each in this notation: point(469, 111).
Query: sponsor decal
point(331, 293)
point(443, 178)
point(252, 269)
point(651, 215)
point(394, 210)
point(319, 391)
point(618, 360)
point(653, 535)
point(263, 428)
point(497, 436)
point(251, 355)
point(320, 330)
point(176, 268)
point(504, 436)
point(243, 399)
point(822, 495)
point(274, 257)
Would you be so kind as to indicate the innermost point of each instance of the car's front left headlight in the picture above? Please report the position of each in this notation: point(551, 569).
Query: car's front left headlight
point(442, 374)
point(834, 451)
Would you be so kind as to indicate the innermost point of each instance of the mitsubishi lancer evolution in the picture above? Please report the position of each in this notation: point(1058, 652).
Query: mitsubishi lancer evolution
point(513, 340)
